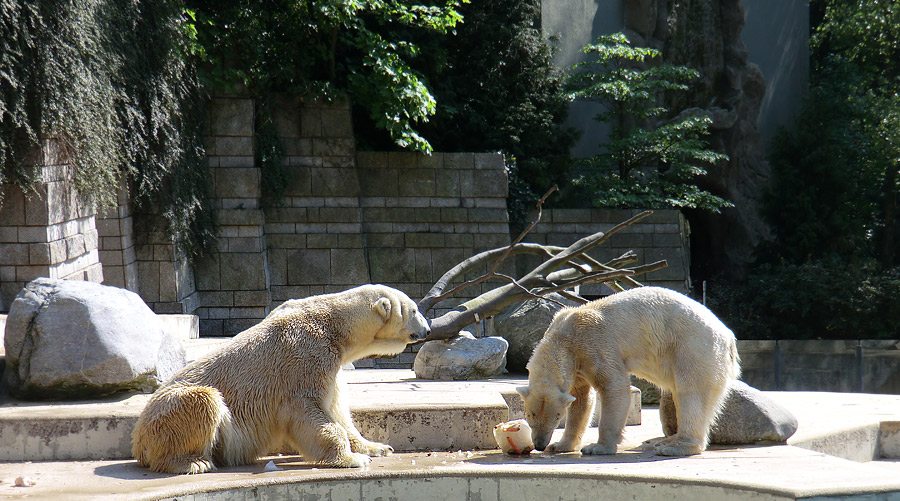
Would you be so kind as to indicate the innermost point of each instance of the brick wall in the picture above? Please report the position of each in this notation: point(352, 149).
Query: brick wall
point(346, 218)
point(115, 228)
point(665, 234)
point(49, 233)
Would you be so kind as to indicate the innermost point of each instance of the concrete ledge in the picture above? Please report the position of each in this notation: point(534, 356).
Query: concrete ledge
point(184, 327)
point(763, 472)
point(391, 406)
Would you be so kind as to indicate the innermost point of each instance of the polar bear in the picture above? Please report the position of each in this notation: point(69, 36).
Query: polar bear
point(651, 332)
point(276, 384)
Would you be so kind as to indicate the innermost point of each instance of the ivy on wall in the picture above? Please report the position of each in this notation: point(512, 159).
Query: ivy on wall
point(113, 83)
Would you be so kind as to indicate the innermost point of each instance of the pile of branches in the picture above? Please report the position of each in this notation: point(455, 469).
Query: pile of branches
point(561, 272)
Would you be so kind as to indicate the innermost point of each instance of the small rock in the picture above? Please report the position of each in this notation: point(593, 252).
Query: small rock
point(25, 482)
point(461, 358)
point(271, 466)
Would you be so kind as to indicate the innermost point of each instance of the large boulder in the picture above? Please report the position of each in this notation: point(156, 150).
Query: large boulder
point(461, 358)
point(71, 339)
point(523, 325)
point(748, 416)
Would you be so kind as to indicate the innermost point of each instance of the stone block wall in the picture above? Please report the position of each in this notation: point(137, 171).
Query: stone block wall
point(233, 284)
point(345, 218)
point(314, 233)
point(115, 227)
point(165, 278)
point(665, 234)
point(49, 233)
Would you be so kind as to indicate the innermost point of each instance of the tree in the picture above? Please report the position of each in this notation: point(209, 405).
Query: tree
point(835, 183)
point(113, 85)
point(861, 36)
point(330, 49)
point(563, 269)
point(831, 270)
point(496, 89)
point(649, 161)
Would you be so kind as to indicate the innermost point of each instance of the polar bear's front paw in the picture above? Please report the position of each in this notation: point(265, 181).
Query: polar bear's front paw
point(356, 460)
point(377, 449)
point(598, 449)
point(560, 447)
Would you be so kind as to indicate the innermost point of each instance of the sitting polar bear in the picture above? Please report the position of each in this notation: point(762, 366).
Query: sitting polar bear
point(654, 333)
point(276, 384)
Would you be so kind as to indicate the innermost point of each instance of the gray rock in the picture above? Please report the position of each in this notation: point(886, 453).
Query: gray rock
point(71, 339)
point(748, 416)
point(523, 325)
point(461, 358)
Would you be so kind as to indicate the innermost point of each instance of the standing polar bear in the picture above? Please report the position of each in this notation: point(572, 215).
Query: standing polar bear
point(276, 384)
point(654, 333)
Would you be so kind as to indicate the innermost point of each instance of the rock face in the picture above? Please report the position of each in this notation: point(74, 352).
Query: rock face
point(70, 339)
point(523, 325)
point(461, 358)
point(706, 35)
point(747, 417)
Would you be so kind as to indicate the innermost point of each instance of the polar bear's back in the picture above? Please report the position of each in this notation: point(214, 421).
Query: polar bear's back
point(654, 331)
point(658, 309)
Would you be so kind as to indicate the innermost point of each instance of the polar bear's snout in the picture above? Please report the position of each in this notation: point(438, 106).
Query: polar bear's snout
point(420, 328)
point(541, 441)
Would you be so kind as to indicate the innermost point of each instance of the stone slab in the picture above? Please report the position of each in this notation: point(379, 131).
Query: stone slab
point(743, 473)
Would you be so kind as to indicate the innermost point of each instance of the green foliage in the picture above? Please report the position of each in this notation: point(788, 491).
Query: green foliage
point(496, 89)
point(331, 49)
point(825, 185)
point(831, 270)
point(111, 82)
point(855, 47)
point(819, 299)
point(835, 182)
point(648, 161)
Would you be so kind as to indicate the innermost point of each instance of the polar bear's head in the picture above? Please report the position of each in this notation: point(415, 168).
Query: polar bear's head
point(385, 320)
point(545, 405)
point(402, 320)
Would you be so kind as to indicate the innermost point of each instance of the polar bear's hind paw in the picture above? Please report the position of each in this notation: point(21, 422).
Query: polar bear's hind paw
point(598, 449)
point(676, 449)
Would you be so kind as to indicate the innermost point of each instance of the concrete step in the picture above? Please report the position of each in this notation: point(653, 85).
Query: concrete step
point(765, 471)
point(388, 405)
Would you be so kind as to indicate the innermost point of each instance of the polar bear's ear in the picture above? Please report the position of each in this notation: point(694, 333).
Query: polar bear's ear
point(568, 399)
point(383, 307)
point(523, 390)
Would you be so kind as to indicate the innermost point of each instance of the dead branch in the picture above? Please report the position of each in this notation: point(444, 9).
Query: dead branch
point(564, 269)
point(436, 294)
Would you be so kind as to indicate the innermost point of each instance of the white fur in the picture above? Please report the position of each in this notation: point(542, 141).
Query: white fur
point(654, 333)
point(277, 383)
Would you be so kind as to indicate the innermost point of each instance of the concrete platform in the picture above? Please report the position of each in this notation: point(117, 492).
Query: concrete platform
point(836, 453)
point(847, 447)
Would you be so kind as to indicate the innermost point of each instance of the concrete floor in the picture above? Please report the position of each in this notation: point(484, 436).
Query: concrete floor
point(836, 453)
